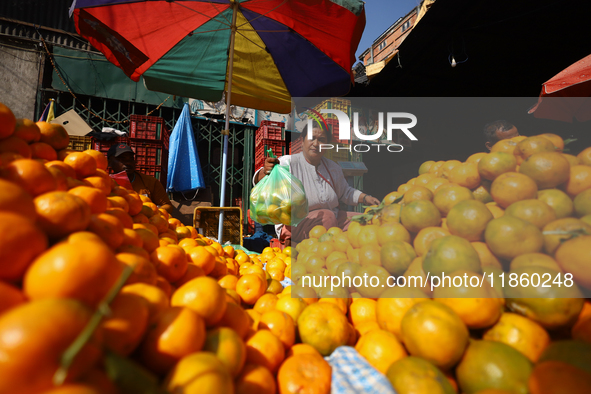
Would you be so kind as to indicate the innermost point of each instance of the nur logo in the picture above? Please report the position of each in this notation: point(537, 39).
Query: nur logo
point(345, 128)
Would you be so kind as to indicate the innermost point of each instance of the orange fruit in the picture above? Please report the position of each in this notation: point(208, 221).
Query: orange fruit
point(423, 239)
point(558, 200)
point(468, 219)
point(556, 140)
point(573, 257)
point(582, 203)
point(532, 145)
point(41, 150)
point(16, 146)
point(235, 318)
point(292, 306)
point(416, 375)
point(534, 259)
point(393, 305)
point(266, 303)
point(493, 365)
point(396, 256)
point(193, 271)
point(281, 325)
point(176, 332)
point(552, 377)
point(487, 258)
point(466, 175)
point(304, 373)
point(521, 333)
point(425, 167)
point(85, 270)
point(27, 130)
point(34, 337)
point(449, 195)
point(155, 297)
point(496, 211)
point(143, 269)
point(323, 326)
point(125, 326)
point(578, 181)
point(428, 323)
point(170, 262)
point(99, 157)
point(506, 145)
point(416, 193)
point(54, 135)
point(510, 187)
point(264, 348)
point(547, 169)
point(66, 169)
point(250, 287)
point(22, 241)
point(10, 296)
point(585, 156)
point(449, 254)
point(7, 121)
point(568, 226)
point(533, 211)
point(255, 379)
point(229, 348)
point(418, 215)
point(200, 372)
point(123, 217)
point(83, 164)
point(508, 237)
point(31, 175)
point(302, 348)
point(201, 257)
point(149, 239)
point(380, 348)
point(203, 295)
point(496, 163)
point(61, 213)
point(363, 310)
point(109, 228)
point(552, 307)
point(15, 199)
point(473, 304)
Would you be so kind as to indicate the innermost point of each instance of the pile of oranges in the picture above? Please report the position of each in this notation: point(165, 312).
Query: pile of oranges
point(520, 212)
point(193, 316)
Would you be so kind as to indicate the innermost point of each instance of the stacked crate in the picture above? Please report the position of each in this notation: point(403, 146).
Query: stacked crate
point(270, 135)
point(80, 143)
point(149, 138)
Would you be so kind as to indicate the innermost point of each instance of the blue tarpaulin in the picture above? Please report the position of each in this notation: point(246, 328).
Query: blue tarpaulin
point(184, 168)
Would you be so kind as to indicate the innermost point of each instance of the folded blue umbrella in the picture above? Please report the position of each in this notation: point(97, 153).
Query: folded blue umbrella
point(184, 168)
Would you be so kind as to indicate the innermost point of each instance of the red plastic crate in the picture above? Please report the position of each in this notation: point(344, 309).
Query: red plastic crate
point(147, 127)
point(333, 126)
point(269, 132)
point(272, 123)
point(103, 146)
point(146, 153)
point(295, 146)
point(278, 148)
point(158, 172)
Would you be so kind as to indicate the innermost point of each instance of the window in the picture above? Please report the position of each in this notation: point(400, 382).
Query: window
point(383, 45)
point(406, 25)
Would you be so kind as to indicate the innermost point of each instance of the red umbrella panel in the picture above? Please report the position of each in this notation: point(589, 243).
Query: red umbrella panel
point(567, 95)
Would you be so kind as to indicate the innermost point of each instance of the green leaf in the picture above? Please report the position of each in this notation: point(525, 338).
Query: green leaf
point(129, 376)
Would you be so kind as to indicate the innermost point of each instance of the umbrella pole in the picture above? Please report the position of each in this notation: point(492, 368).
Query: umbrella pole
point(226, 131)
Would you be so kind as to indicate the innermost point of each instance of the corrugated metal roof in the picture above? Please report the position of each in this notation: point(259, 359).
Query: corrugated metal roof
point(52, 13)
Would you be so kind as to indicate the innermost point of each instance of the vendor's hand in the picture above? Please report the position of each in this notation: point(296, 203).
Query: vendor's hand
point(371, 200)
point(270, 162)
